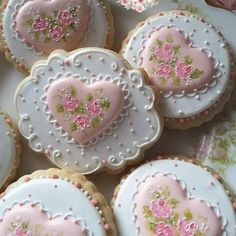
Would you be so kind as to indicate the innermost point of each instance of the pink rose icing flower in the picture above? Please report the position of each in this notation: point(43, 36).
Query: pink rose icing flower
point(64, 17)
point(21, 232)
point(163, 71)
point(165, 52)
point(187, 228)
point(83, 121)
point(160, 208)
point(39, 23)
point(163, 229)
point(183, 70)
point(56, 33)
point(94, 107)
point(70, 103)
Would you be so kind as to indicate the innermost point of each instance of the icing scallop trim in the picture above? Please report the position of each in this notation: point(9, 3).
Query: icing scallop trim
point(208, 52)
point(44, 211)
point(110, 130)
point(123, 153)
point(179, 158)
point(80, 183)
point(31, 47)
point(188, 197)
point(20, 66)
point(209, 113)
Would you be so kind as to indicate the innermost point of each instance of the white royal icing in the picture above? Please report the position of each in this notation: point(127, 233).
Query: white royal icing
point(202, 35)
point(65, 200)
point(7, 150)
point(138, 126)
point(98, 30)
point(199, 184)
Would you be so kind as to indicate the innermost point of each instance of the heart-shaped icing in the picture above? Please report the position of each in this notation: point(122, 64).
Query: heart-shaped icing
point(173, 64)
point(30, 220)
point(84, 111)
point(53, 24)
point(162, 208)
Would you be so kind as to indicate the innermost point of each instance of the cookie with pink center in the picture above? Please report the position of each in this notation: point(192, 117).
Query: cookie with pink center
point(10, 150)
point(162, 198)
point(192, 67)
point(74, 208)
point(96, 111)
point(31, 30)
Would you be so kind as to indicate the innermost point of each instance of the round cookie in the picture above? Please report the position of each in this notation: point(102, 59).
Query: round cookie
point(32, 29)
point(172, 197)
point(9, 150)
point(55, 202)
point(88, 110)
point(190, 66)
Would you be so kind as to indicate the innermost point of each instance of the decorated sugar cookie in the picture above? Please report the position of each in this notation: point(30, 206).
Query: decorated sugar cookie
point(32, 29)
point(87, 111)
point(56, 203)
point(187, 61)
point(173, 197)
point(9, 150)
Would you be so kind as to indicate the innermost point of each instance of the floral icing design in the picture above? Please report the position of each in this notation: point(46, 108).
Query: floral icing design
point(54, 27)
point(29, 219)
point(20, 227)
point(138, 5)
point(163, 218)
point(174, 64)
point(166, 55)
point(84, 113)
point(164, 207)
point(23, 227)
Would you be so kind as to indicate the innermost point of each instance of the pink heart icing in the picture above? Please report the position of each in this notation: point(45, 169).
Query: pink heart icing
point(84, 111)
point(162, 208)
point(54, 24)
point(30, 220)
point(173, 64)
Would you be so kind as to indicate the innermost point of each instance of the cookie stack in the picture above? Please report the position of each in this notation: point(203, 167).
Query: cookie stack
point(89, 109)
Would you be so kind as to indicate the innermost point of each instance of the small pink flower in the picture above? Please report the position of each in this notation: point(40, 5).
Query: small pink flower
point(64, 17)
point(187, 228)
point(83, 121)
point(70, 103)
point(165, 52)
point(94, 107)
point(183, 70)
point(124, 2)
point(21, 232)
point(139, 7)
point(39, 23)
point(163, 70)
point(161, 209)
point(163, 229)
point(56, 33)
